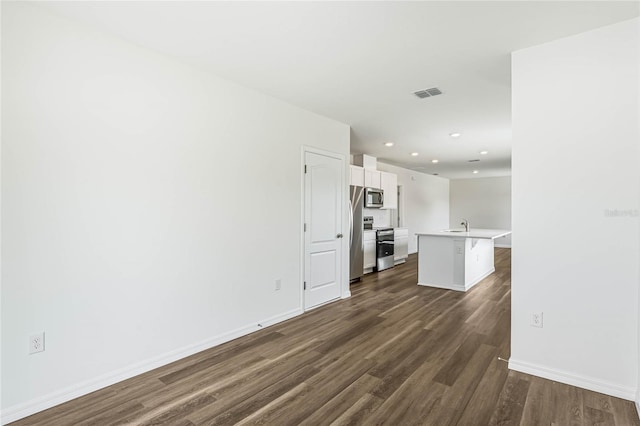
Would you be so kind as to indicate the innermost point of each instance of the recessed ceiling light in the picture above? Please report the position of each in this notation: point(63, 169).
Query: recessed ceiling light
point(484, 152)
point(434, 161)
point(414, 154)
point(455, 135)
point(388, 144)
point(475, 172)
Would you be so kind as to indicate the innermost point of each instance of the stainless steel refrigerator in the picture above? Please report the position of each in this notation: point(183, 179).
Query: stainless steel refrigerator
point(356, 204)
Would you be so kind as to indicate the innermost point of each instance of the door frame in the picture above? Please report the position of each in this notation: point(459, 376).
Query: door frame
point(344, 261)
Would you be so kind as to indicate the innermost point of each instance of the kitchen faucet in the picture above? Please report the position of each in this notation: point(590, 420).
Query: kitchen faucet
point(465, 222)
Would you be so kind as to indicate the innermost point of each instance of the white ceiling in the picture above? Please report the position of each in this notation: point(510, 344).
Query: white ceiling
point(360, 62)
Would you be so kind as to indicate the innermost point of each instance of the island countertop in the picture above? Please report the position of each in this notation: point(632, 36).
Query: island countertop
point(487, 234)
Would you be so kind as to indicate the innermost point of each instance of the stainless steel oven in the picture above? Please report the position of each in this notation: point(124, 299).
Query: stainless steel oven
point(384, 249)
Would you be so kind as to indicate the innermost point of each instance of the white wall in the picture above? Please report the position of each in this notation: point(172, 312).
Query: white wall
point(130, 186)
point(575, 161)
point(485, 202)
point(426, 201)
point(381, 217)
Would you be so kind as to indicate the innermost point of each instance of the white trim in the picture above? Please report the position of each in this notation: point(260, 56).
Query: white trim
point(337, 299)
point(572, 379)
point(52, 399)
point(638, 408)
point(502, 245)
point(346, 294)
point(456, 287)
point(303, 249)
point(468, 286)
point(459, 287)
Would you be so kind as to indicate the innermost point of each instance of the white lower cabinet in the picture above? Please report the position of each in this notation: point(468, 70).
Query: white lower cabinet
point(369, 240)
point(400, 245)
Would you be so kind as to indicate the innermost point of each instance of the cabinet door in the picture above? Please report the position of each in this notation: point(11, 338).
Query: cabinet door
point(372, 179)
point(369, 240)
point(389, 184)
point(369, 254)
point(401, 248)
point(357, 176)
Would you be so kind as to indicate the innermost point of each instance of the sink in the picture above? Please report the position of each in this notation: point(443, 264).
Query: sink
point(454, 230)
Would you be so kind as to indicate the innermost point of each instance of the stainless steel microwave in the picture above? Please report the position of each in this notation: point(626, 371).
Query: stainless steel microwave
point(373, 197)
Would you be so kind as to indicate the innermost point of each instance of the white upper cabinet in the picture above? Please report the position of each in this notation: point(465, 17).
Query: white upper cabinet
point(357, 176)
point(389, 184)
point(372, 179)
point(366, 161)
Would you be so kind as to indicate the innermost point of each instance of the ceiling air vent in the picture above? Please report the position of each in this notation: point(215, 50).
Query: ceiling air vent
point(427, 93)
point(473, 161)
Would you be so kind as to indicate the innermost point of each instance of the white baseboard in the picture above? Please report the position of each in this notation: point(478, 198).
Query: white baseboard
point(502, 245)
point(455, 287)
point(638, 407)
point(36, 405)
point(346, 295)
point(460, 287)
point(572, 379)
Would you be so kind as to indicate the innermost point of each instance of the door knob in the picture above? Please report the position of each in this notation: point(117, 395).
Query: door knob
point(339, 236)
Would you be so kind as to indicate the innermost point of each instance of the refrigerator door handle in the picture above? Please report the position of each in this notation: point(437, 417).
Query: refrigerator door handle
point(350, 223)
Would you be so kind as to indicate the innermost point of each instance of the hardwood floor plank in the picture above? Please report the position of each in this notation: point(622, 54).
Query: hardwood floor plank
point(178, 414)
point(395, 353)
point(196, 368)
point(455, 399)
point(241, 391)
point(410, 401)
point(568, 406)
point(511, 402)
point(333, 379)
point(275, 411)
point(343, 402)
point(362, 407)
point(408, 355)
point(539, 401)
point(400, 372)
point(448, 374)
point(247, 407)
point(593, 416)
point(480, 407)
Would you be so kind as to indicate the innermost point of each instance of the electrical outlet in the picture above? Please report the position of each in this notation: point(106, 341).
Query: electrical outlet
point(278, 284)
point(536, 319)
point(36, 343)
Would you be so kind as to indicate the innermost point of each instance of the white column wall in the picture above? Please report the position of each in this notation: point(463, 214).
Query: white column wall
point(147, 208)
point(575, 209)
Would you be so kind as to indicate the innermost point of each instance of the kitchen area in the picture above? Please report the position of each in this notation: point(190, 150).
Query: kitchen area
point(395, 212)
point(377, 241)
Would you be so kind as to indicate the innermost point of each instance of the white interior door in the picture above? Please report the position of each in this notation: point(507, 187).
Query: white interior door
point(324, 185)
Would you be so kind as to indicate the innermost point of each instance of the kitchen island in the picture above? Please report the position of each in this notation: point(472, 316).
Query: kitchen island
point(456, 259)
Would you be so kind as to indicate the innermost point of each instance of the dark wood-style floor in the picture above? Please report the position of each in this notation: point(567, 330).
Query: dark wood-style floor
point(393, 354)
